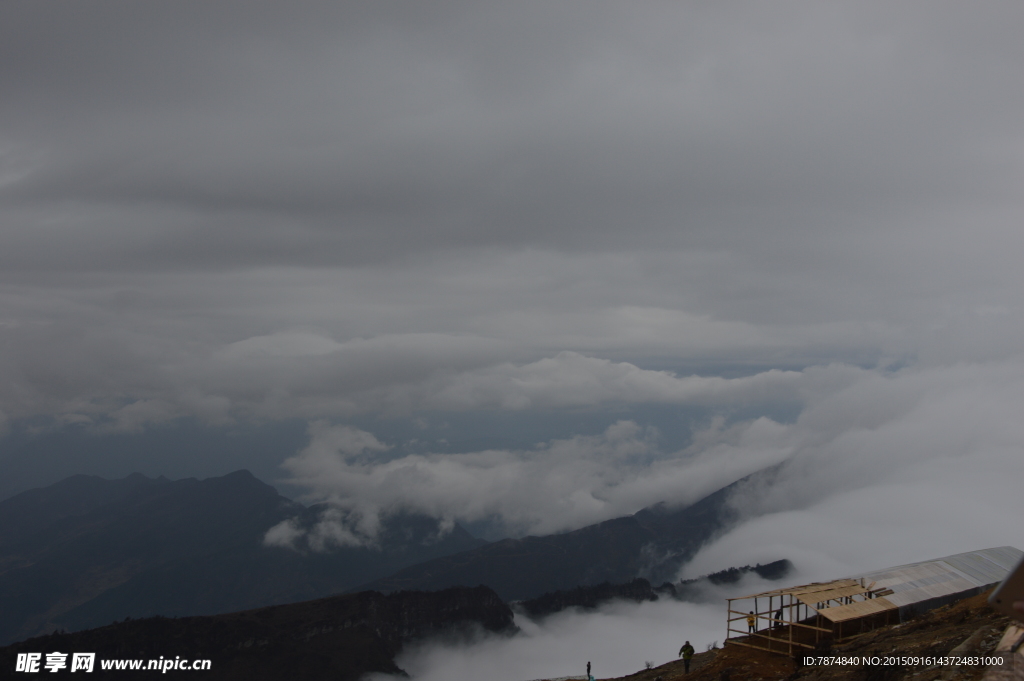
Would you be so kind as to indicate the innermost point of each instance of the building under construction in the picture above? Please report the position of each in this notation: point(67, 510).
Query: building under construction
point(804, 617)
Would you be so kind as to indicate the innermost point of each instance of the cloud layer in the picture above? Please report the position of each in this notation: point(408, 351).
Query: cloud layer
point(895, 440)
point(618, 640)
point(228, 212)
point(892, 471)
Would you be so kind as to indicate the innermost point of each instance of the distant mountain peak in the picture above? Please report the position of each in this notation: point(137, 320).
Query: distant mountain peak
point(241, 473)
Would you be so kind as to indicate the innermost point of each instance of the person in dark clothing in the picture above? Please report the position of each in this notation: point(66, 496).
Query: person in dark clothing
point(588, 669)
point(778, 619)
point(686, 652)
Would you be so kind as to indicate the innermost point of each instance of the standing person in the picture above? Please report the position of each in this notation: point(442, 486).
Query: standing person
point(588, 671)
point(751, 622)
point(778, 619)
point(687, 652)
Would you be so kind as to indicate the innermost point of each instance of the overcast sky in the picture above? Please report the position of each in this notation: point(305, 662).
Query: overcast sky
point(525, 266)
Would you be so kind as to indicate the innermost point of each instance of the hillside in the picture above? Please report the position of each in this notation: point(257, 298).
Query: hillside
point(935, 633)
point(337, 639)
point(88, 551)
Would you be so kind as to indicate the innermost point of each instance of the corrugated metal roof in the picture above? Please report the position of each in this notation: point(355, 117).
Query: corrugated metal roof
point(980, 566)
point(910, 584)
point(954, 574)
point(983, 568)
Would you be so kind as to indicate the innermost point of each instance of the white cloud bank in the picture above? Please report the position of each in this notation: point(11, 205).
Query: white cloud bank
point(618, 639)
point(925, 444)
point(559, 485)
point(891, 471)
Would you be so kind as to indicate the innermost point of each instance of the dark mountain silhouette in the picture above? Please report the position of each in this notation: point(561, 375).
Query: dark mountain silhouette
point(589, 597)
point(340, 638)
point(87, 551)
point(652, 543)
point(639, 590)
point(26, 515)
point(771, 571)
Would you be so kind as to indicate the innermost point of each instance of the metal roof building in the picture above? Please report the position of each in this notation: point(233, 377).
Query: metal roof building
point(803, 616)
point(922, 586)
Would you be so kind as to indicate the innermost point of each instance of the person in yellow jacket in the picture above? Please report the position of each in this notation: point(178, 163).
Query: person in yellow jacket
point(751, 622)
point(686, 652)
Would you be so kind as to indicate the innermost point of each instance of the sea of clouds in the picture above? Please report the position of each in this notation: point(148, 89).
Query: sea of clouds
point(931, 450)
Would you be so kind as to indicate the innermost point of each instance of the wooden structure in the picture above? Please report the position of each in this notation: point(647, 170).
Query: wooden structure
point(802, 617)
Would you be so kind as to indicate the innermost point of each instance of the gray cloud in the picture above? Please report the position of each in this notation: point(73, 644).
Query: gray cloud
point(560, 485)
point(841, 180)
point(236, 212)
point(341, 136)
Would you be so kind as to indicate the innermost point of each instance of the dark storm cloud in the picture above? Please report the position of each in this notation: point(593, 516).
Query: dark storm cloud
point(212, 135)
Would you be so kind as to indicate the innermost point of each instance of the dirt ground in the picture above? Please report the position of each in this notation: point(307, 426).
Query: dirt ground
point(932, 634)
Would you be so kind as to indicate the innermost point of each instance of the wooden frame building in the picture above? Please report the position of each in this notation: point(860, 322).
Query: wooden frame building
point(800, 618)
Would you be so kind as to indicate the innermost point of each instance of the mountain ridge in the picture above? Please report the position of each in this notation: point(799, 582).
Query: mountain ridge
point(338, 638)
point(141, 547)
point(653, 543)
point(138, 547)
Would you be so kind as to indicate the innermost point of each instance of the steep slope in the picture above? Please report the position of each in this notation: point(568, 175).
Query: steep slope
point(653, 543)
point(141, 547)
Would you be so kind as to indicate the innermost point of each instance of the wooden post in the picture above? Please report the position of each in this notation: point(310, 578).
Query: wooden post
point(791, 627)
point(728, 614)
